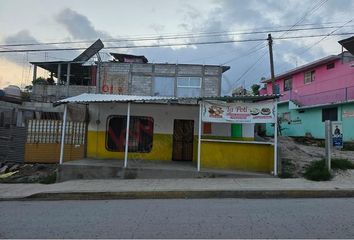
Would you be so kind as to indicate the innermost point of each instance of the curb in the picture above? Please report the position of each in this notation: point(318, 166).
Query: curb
point(251, 194)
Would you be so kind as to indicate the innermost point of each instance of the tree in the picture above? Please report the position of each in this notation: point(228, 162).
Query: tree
point(255, 89)
point(40, 81)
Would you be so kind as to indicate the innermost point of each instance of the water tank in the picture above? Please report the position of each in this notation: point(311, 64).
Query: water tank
point(12, 91)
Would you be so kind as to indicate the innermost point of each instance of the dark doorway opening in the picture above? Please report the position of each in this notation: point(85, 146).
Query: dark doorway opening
point(183, 134)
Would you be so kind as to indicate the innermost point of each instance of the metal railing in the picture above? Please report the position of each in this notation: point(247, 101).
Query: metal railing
point(326, 97)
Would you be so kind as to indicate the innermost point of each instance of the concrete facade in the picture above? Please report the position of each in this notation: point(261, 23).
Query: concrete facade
point(139, 79)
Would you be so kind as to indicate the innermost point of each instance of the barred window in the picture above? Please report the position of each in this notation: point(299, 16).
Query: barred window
point(140, 134)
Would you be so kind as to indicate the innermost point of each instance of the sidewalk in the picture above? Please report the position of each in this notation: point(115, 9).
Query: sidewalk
point(180, 188)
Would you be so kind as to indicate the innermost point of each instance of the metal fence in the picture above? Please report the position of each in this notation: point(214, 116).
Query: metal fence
point(49, 131)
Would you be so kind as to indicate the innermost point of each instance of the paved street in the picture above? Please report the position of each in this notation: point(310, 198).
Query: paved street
point(197, 218)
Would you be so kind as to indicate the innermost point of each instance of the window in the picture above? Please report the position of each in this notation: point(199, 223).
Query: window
point(309, 77)
point(329, 114)
point(164, 86)
point(330, 65)
point(288, 84)
point(140, 134)
point(188, 86)
point(286, 117)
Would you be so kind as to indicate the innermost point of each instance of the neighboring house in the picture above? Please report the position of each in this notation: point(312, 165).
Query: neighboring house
point(315, 92)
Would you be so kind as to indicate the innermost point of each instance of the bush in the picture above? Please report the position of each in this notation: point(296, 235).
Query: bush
point(317, 171)
point(50, 179)
point(342, 164)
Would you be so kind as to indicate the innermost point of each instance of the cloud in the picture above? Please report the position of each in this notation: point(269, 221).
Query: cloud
point(78, 25)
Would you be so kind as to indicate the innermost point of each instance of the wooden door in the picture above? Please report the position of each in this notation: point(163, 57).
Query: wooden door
point(183, 134)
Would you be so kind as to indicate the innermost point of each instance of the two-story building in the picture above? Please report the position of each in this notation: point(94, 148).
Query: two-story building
point(315, 92)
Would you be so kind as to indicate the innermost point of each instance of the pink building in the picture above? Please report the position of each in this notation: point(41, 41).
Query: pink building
point(325, 81)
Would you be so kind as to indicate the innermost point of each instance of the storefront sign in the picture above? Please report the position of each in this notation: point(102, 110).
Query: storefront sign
point(337, 134)
point(261, 112)
point(348, 114)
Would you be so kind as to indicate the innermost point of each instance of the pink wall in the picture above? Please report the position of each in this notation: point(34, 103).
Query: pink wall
point(326, 81)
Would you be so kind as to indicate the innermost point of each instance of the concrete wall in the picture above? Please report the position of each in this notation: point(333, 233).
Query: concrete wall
point(310, 121)
point(138, 79)
point(52, 93)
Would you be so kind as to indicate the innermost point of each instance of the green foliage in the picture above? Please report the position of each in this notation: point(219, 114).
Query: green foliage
point(255, 89)
point(40, 81)
point(342, 164)
point(317, 171)
point(50, 179)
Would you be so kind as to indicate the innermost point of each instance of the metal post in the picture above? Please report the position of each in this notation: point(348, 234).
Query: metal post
point(127, 138)
point(199, 134)
point(270, 44)
point(67, 79)
point(276, 140)
point(62, 143)
point(328, 142)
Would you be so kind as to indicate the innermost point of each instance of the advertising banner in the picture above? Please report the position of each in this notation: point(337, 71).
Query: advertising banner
point(337, 134)
point(239, 112)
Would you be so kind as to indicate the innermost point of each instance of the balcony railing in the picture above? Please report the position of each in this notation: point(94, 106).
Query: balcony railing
point(327, 97)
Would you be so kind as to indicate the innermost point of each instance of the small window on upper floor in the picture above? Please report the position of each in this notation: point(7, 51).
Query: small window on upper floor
point(288, 84)
point(309, 77)
point(164, 86)
point(189, 86)
point(330, 65)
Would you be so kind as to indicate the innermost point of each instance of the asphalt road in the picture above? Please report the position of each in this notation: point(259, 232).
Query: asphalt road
point(195, 218)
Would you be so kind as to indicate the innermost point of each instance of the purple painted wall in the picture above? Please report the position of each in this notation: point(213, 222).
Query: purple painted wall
point(329, 85)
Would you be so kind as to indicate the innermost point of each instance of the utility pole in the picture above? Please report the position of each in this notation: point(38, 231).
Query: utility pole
point(270, 43)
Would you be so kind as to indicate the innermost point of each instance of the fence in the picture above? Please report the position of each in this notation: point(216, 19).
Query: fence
point(44, 139)
point(12, 143)
point(49, 131)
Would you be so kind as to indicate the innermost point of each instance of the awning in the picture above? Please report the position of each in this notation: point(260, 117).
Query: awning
point(105, 98)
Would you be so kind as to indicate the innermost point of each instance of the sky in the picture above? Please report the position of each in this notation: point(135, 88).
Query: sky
point(37, 21)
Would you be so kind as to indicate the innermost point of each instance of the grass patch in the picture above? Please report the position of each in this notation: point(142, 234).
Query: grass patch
point(342, 164)
point(317, 171)
point(287, 169)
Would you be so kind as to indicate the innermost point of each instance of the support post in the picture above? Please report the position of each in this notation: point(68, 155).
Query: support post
point(58, 74)
point(34, 72)
point(127, 138)
point(62, 143)
point(328, 143)
point(276, 140)
point(199, 135)
point(270, 44)
point(68, 79)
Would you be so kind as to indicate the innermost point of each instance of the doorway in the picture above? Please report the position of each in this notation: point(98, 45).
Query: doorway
point(183, 134)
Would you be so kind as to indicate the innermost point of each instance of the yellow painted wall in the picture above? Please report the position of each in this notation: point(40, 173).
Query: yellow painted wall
point(233, 156)
point(161, 148)
point(237, 156)
point(50, 152)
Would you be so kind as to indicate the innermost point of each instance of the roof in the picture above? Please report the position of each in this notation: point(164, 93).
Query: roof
point(348, 44)
point(106, 98)
point(305, 67)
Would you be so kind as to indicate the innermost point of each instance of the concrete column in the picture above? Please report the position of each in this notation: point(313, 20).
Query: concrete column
point(68, 79)
point(58, 73)
point(34, 72)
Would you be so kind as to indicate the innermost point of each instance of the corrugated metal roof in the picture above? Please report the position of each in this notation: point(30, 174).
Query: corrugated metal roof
point(97, 98)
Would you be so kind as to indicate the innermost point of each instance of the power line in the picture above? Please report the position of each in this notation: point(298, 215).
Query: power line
point(174, 37)
point(174, 44)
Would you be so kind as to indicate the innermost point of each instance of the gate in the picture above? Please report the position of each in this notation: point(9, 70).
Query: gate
point(44, 138)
